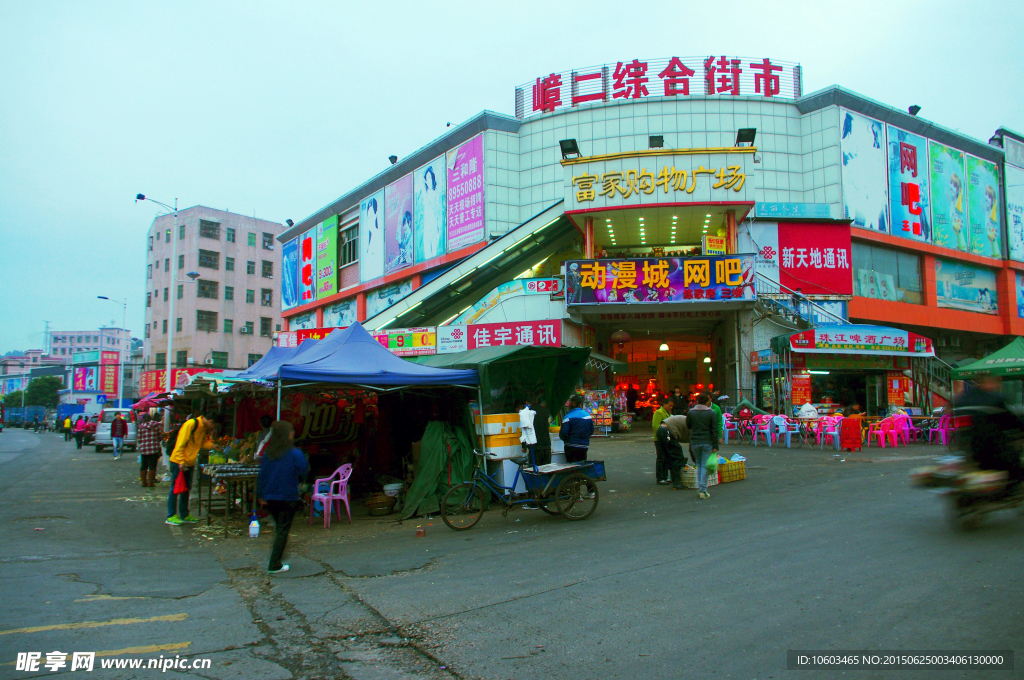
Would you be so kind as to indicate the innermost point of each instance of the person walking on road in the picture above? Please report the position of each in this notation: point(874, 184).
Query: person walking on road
point(67, 428)
point(79, 431)
point(675, 457)
point(660, 471)
point(191, 437)
point(576, 430)
point(149, 435)
point(118, 431)
point(703, 438)
point(277, 487)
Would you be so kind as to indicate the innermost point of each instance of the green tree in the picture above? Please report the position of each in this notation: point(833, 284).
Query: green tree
point(43, 391)
point(12, 399)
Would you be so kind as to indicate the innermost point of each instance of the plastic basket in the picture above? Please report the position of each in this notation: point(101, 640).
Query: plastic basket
point(690, 478)
point(731, 472)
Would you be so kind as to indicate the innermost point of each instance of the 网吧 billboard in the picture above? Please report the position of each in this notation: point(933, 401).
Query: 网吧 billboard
point(1015, 211)
point(289, 274)
point(949, 197)
point(963, 286)
point(371, 237)
point(908, 185)
point(983, 207)
point(398, 226)
point(85, 379)
point(429, 217)
point(465, 206)
point(865, 191)
point(326, 258)
point(307, 267)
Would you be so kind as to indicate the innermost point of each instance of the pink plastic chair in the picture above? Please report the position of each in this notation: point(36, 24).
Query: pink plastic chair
point(828, 428)
point(730, 428)
point(905, 429)
point(336, 494)
point(944, 430)
point(763, 426)
point(886, 432)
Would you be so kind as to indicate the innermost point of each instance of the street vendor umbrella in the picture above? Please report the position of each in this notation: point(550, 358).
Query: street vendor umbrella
point(1007, 362)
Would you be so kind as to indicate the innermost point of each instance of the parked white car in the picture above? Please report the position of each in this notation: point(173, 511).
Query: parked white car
point(102, 438)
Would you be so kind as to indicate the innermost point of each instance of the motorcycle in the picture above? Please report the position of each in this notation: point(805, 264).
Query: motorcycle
point(970, 493)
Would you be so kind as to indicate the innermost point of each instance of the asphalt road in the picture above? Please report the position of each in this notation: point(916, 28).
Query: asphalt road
point(809, 552)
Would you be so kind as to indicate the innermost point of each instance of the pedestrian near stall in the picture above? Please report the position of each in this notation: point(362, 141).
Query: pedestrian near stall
point(703, 438)
point(149, 434)
point(67, 428)
point(191, 437)
point(673, 435)
point(660, 470)
point(282, 468)
point(79, 431)
point(118, 431)
point(577, 427)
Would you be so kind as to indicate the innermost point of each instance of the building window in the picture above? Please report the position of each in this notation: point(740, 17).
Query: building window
point(149, 271)
point(79, 339)
point(161, 358)
point(267, 297)
point(265, 326)
point(886, 274)
point(167, 235)
point(252, 239)
point(250, 267)
point(207, 289)
point(229, 292)
point(177, 325)
point(64, 351)
point(165, 294)
point(268, 241)
point(229, 325)
point(253, 358)
point(164, 327)
point(250, 296)
point(268, 269)
point(150, 244)
point(208, 229)
point(206, 321)
point(149, 299)
point(248, 328)
point(181, 361)
point(181, 261)
point(348, 249)
point(229, 235)
point(219, 359)
point(181, 291)
point(167, 264)
point(278, 327)
point(209, 259)
point(156, 265)
point(229, 264)
point(181, 232)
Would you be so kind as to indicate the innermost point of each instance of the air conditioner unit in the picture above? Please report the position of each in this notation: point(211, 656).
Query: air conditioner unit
point(243, 330)
point(209, 362)
point(191, 361)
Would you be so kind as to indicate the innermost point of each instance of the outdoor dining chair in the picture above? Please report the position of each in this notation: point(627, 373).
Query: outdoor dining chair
point(885, 432)
point(828, 429)
point(332, 492)
point(944, 430)
point(730, 429)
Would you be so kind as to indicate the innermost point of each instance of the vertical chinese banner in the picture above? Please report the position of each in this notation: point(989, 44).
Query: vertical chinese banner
point(908, 185)
point(398, 227)
point(289, 274)
point(307, 267)
point(327, 258)
point(465, 175)
point(801, 389)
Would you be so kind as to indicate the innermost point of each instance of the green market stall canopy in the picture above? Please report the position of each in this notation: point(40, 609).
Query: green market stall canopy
point(1009, 361)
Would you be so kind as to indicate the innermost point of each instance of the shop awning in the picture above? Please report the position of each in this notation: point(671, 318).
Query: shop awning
point(509, 373)
point(1009, 361)
point(600, 362)
point(855, 339)
point(352, 357)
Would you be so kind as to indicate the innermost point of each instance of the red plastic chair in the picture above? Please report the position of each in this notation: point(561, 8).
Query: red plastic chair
point(337, 490)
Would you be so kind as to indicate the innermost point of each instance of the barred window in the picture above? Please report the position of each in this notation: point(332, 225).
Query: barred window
point(206, 321)
point(229, 325)
point(208, 289)
point(229, 264)
point(219, 359)
point(229, 292)
point(208, 229)
point(348, 248)
point(268, 269)
point(229, 236)
point(250, 267)
point(209, 259)
point(268, 241)
point(267, 297)
point(265, 326)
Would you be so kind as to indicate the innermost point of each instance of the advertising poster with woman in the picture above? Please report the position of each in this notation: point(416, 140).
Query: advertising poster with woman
point(371, 237)
point(398, 226)
point(983, 212)
point(949, 197)
point(429, 217)
point(908, 185)
point(865, 194)
point(465, 209)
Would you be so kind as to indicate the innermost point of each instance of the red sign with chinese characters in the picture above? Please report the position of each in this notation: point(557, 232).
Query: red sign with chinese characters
point(801, 389)
point(153, 381)
point(543, 333)
point(815, 259)
point(677, 76)
point(295, 338)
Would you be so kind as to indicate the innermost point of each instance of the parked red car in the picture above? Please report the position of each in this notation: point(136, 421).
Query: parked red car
point(90, 428)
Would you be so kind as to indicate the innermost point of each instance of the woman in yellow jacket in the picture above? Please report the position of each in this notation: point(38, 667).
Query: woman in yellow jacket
point(192, 435)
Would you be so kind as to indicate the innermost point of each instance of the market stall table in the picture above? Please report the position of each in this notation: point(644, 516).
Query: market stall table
point(232, 475)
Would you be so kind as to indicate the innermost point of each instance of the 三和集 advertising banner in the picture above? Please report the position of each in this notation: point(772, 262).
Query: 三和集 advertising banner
point(465, 207)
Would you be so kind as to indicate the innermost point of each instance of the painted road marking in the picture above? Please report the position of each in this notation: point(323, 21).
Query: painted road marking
point(107, 598)
point(94, 624)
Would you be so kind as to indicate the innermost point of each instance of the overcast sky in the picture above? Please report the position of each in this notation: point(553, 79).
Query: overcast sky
point(279, 108)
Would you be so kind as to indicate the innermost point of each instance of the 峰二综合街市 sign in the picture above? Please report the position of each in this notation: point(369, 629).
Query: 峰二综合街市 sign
point(660, 279)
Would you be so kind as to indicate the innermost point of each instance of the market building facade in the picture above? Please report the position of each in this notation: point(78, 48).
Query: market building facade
point(675, 215)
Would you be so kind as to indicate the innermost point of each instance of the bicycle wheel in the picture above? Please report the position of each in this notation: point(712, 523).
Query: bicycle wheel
point(463, 506)
point(576, 496)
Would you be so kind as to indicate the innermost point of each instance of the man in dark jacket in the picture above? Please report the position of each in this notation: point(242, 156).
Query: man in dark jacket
point(992, 440)
point(576, 430)
point(701, 421)
point(118, 432)
point(672, 434)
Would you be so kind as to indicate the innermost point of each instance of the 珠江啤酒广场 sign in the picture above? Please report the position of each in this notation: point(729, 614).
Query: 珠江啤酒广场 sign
point(660, 279)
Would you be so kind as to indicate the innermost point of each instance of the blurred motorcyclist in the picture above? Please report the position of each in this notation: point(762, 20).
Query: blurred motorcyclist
point(993, 439)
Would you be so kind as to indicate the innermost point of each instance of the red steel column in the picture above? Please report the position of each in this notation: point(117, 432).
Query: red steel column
point(730, 232)
point(588, 238)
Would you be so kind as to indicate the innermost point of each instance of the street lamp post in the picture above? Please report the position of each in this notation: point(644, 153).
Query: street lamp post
point(120, 352)
point(173, 281)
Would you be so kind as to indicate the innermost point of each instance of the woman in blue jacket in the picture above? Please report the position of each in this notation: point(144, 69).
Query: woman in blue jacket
point(277, 487)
